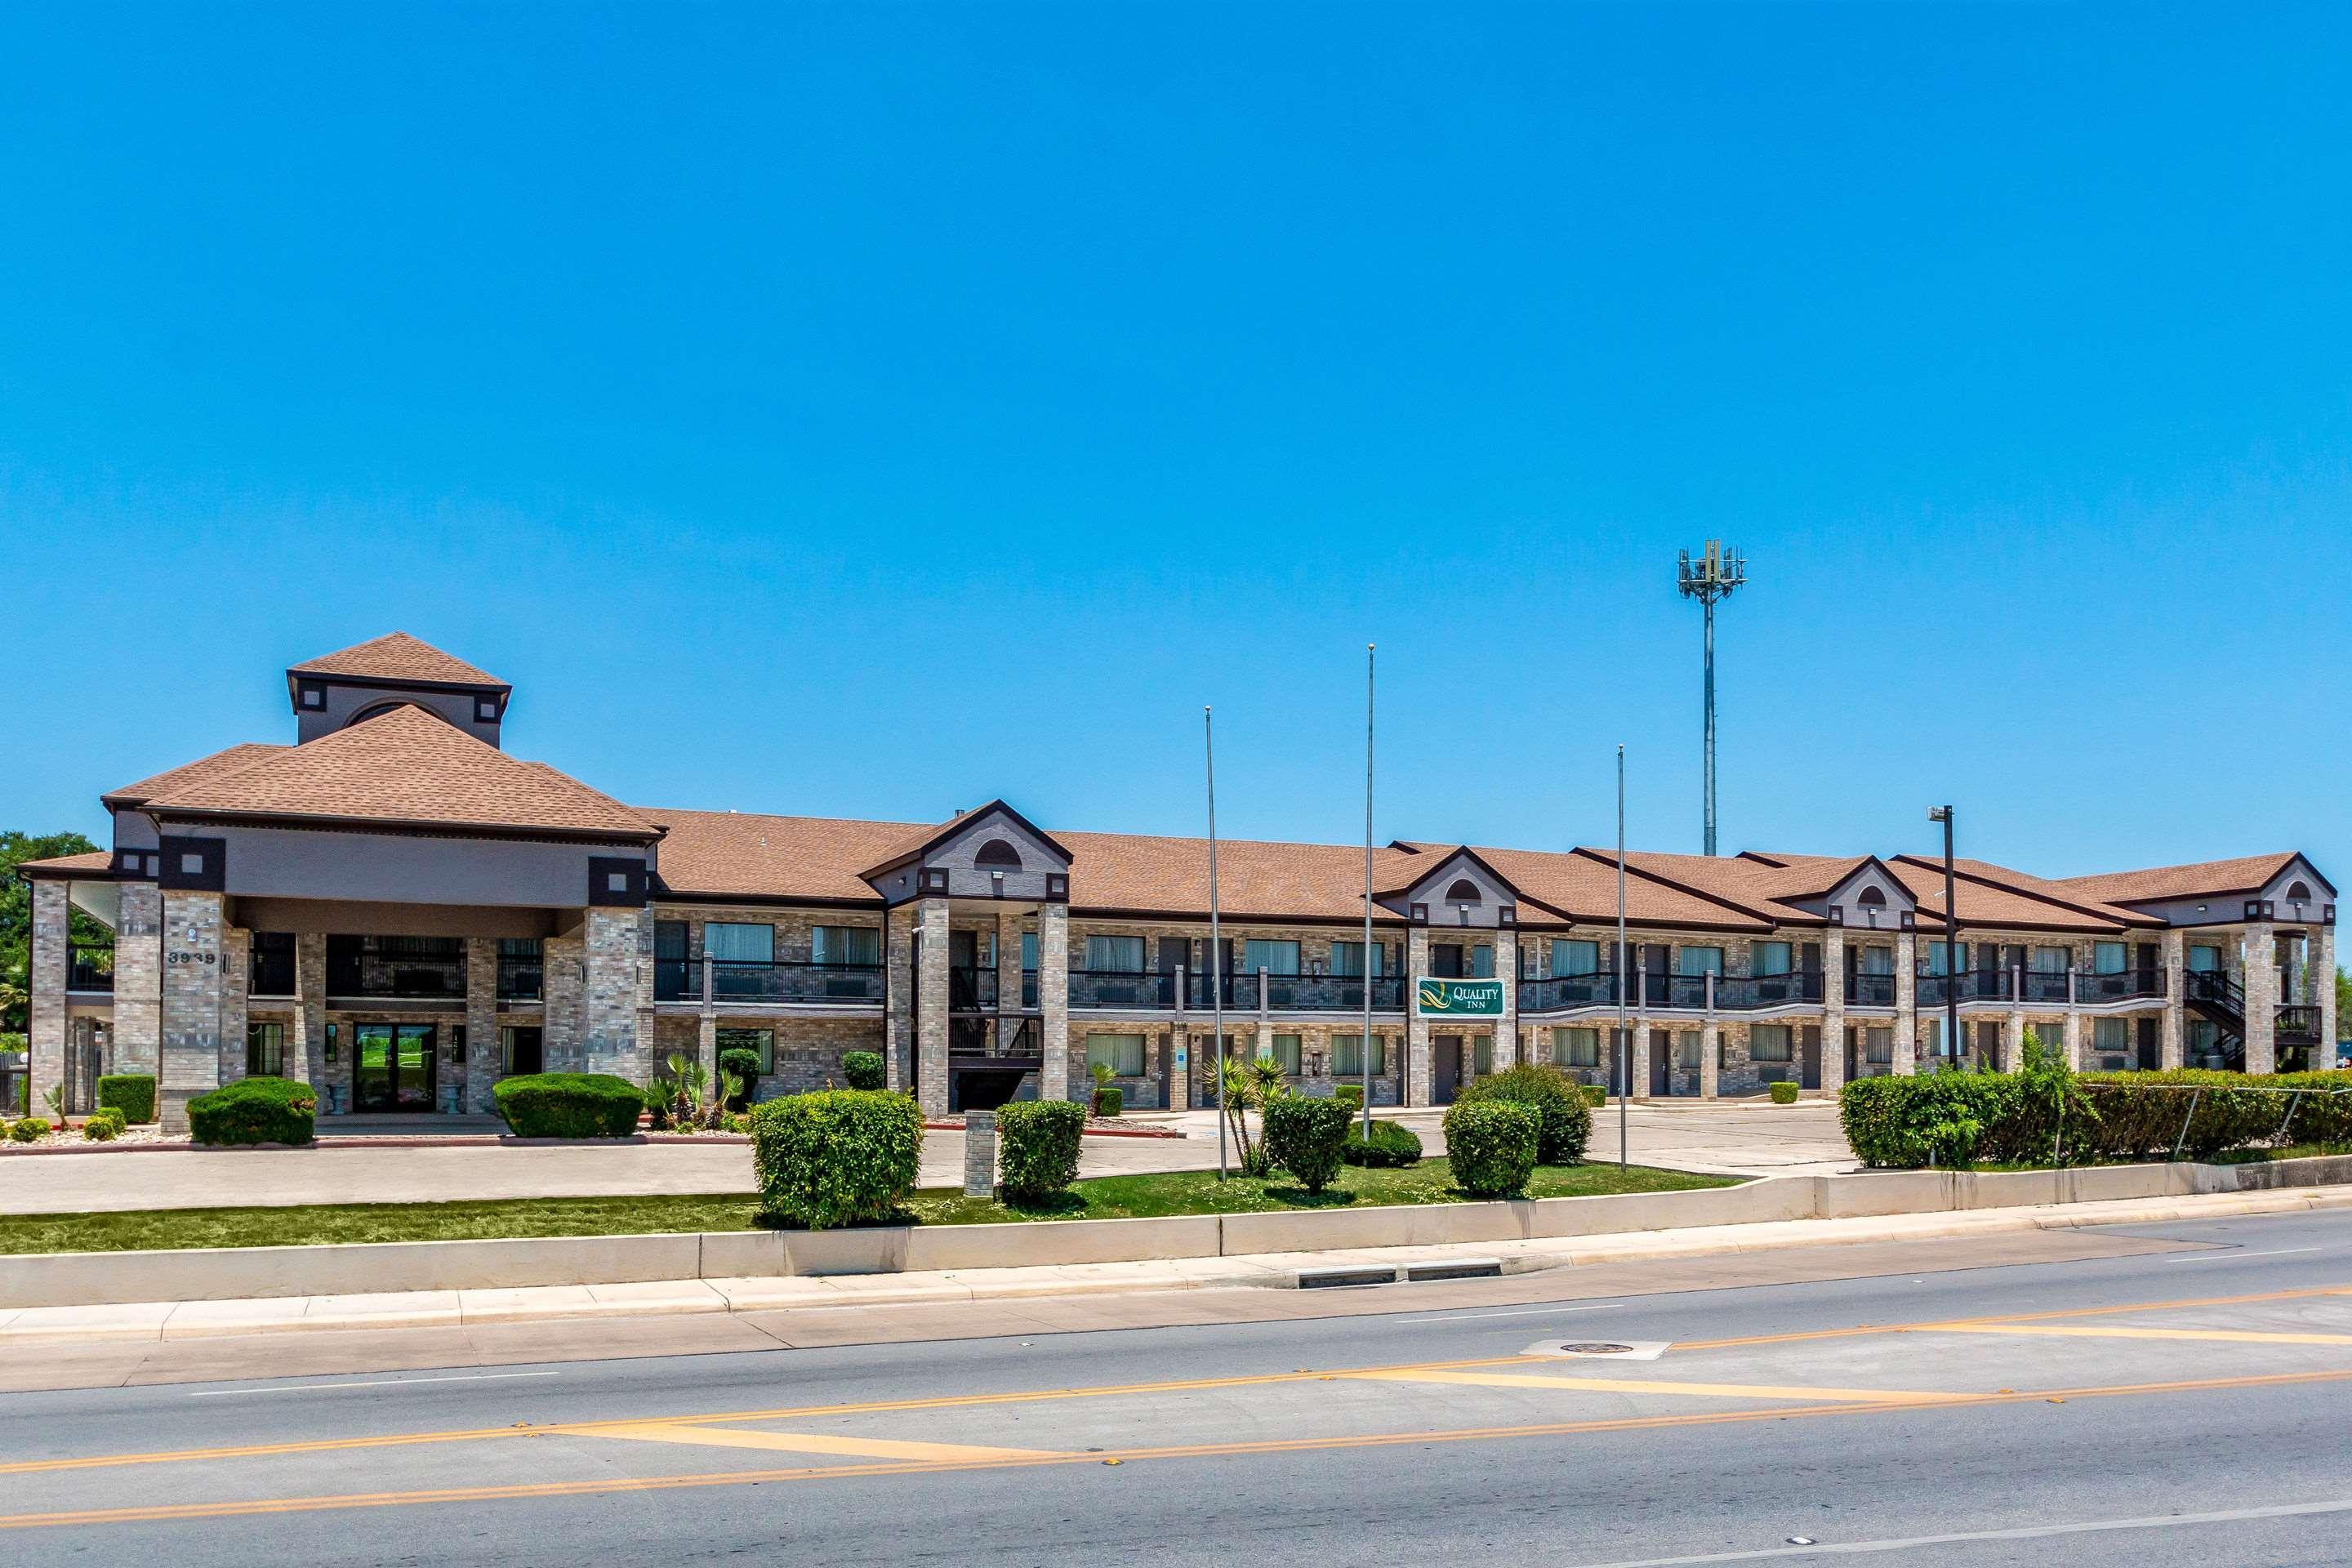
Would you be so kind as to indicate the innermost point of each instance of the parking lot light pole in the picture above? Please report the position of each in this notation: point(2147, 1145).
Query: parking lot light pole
point(1943, 814)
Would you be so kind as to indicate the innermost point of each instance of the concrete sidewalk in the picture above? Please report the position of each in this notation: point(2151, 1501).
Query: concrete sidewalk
point(1716, 1137)
point(161, 1321)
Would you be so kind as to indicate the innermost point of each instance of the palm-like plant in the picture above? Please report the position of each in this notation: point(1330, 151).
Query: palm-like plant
point(1248, 1086)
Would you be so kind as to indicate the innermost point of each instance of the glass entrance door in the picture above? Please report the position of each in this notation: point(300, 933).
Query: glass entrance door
point(393, 1067)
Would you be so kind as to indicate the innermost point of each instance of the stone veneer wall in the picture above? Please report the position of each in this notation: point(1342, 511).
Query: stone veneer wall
point(138, 978)
point(45, 1041)
point(610, 943)
point(189, 1010)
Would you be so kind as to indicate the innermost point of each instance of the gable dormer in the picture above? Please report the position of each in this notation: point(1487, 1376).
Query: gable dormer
point(1459, 890)
point(2298, 895)
point(339, 689)
point(994, 852)
point(1868, 898)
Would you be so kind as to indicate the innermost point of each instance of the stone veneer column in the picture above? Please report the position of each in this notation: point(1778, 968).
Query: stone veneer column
point(564, 1026)
point(306, 1037)
point(2323, 970)
point(1710, 1058)
point(2261, 997)
point(2173, 1031)
point(236, 979)
point(1008, 967)
point(1906, 1003)
point(138, 978)
point(482, 1053)
point(189, 1010)
point(1637, 1009)
point(1507, 1028)
point(45, 1044)
point(932, 1007)
point(1053, 999)
point(608, 996)
point(1417, 1086)
point(897, 996)
point(1833, 1011)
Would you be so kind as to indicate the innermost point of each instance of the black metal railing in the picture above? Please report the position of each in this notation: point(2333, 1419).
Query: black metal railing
point(410, 968)
point(2122, 985)
point(1121, 988)
point(2045, 986)
point(522, 978)
point(269, 971)
point(1984, 984)
point(740, 979)
point(1866, 990)
point(1332, 993)
point(2297, 1025)
point(1745, 993)
point(2214, 988)
point(1558, 993)
point(90, 967)
point(1240, 992)
point(972, 990)
point(1677, 990)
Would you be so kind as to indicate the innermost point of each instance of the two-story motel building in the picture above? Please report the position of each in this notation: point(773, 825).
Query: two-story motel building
point(400, 912)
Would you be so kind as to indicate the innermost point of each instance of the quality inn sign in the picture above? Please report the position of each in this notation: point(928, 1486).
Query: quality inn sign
point(1458, 998)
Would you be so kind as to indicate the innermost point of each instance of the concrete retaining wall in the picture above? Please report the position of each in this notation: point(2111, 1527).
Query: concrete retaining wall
point(86, 1279)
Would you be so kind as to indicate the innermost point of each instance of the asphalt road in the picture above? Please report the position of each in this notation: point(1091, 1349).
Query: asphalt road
point(2183, 1403)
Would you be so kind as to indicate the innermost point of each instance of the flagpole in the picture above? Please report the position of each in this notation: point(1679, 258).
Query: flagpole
point(1216, 947)
point(1624, 1042)
point(1370, 968)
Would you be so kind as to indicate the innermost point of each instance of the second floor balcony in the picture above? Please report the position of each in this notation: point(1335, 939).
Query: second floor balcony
point(1748, 993)
point(1122, 988)
point(403, 968)
point(90, 966)
point(747, 981)
point(1559, 992)
point(2121, 986)
point(1864, 989)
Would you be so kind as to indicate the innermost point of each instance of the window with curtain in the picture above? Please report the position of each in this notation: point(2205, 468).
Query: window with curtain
point(1576, 958)
point(1686, 1052)
point(1286, 1054)
point(1482, 962)
point(740, 943)
point(1114, 954)
point(1769, 1043)
point(1877, 961)
point(1940, 956)
point(1347, 958)
point(2111, 1037)
point(763, 1041)
point(1768, 958)
point(1274, 957)
point(1348, 1055)
point(1932, 1043)
point(1878, 1045)
point(2050, 960)
point(1482, 1053)
point(845, 945)
point(1573, 1048)
point(2109, 958)
point(1029, 950)
point(1123, 1054)
point(2203, 960)
point(265, 1050)
point(1700, 960)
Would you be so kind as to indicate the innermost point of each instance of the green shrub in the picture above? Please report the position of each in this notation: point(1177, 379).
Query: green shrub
point(1389, 1146)
point(1348, 1094)
point(101, 1129)
point(1595, 1097)
point(26, 1130)
point(254, 1110)
point(569, 1105)
point(1309, 1138)
point(835, 1157)
point(1564, 1117)
point(744, 1063)
point(1784, 1094)
point(1037, 1147)
point(1492, 1145)
point(863, 1069)
point(1109, 1101)
point(133, 1093)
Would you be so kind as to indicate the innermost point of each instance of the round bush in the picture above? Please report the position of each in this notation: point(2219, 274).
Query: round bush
point(569, 1105)
point(131, 1093)
point(254, 1110)
point(1784, 1094)
point(744, 1063)
point(1350, 1094)
point(1564, 1119)
point(1309, 1138)
point(1037, 1147)
point(1391, 1146)
point(863, 1069)
point(1492, 1145)
point(835, 1157)
point(26, 1130)
point(1109, 1101)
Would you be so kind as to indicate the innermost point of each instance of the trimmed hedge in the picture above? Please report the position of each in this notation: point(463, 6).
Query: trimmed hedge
point(835, 1157)
point(863, 1069)
point(1110, 1102)
point(1564, 1116)
point(254, 1110)
point(25, 1130)
point(1348, 1094)
point(1492, 1145)
point(2047, 1114)
point(1309, 1138)
point(1037, 1146)
point(131, 1093)
point(1784, 1094)
point(1595, 1097)
point(105, 1127)
point(1389, 1147)
point(569, 1105)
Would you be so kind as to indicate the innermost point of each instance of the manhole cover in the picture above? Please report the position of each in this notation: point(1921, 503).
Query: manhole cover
point(1606, 1350)
point(1592, 1348)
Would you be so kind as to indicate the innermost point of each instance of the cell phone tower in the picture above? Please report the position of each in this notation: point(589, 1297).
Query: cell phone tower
point(1711, 577)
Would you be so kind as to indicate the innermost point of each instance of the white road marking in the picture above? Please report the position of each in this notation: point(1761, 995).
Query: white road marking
point(2023, 1533)
point(2221, 1257)
point(373, 1382)
point(1515, 1312)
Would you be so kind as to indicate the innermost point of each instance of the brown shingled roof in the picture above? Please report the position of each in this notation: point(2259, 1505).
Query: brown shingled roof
point(2200, 878)
point(406, 766)
point(396, 655)
point(88, 860)
point(723, 854)
point(1255, 878)
point(217, 765)
point(1980, 904)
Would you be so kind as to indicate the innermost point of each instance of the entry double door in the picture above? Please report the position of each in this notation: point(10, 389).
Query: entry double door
point(393, 1067)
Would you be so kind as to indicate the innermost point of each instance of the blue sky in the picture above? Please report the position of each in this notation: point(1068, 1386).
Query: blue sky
point(867, 410)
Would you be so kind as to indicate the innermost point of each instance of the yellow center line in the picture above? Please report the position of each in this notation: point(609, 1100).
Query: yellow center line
point(1645, 1385)
point(1804, 1335)
point(822, 1443)
point(608, 1485)
point(2120, 1331)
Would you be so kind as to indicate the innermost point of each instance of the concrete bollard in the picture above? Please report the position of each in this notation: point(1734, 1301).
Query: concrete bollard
point(979, 1154)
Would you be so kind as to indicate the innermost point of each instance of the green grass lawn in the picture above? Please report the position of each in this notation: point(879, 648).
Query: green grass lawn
point(1107, 1197)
